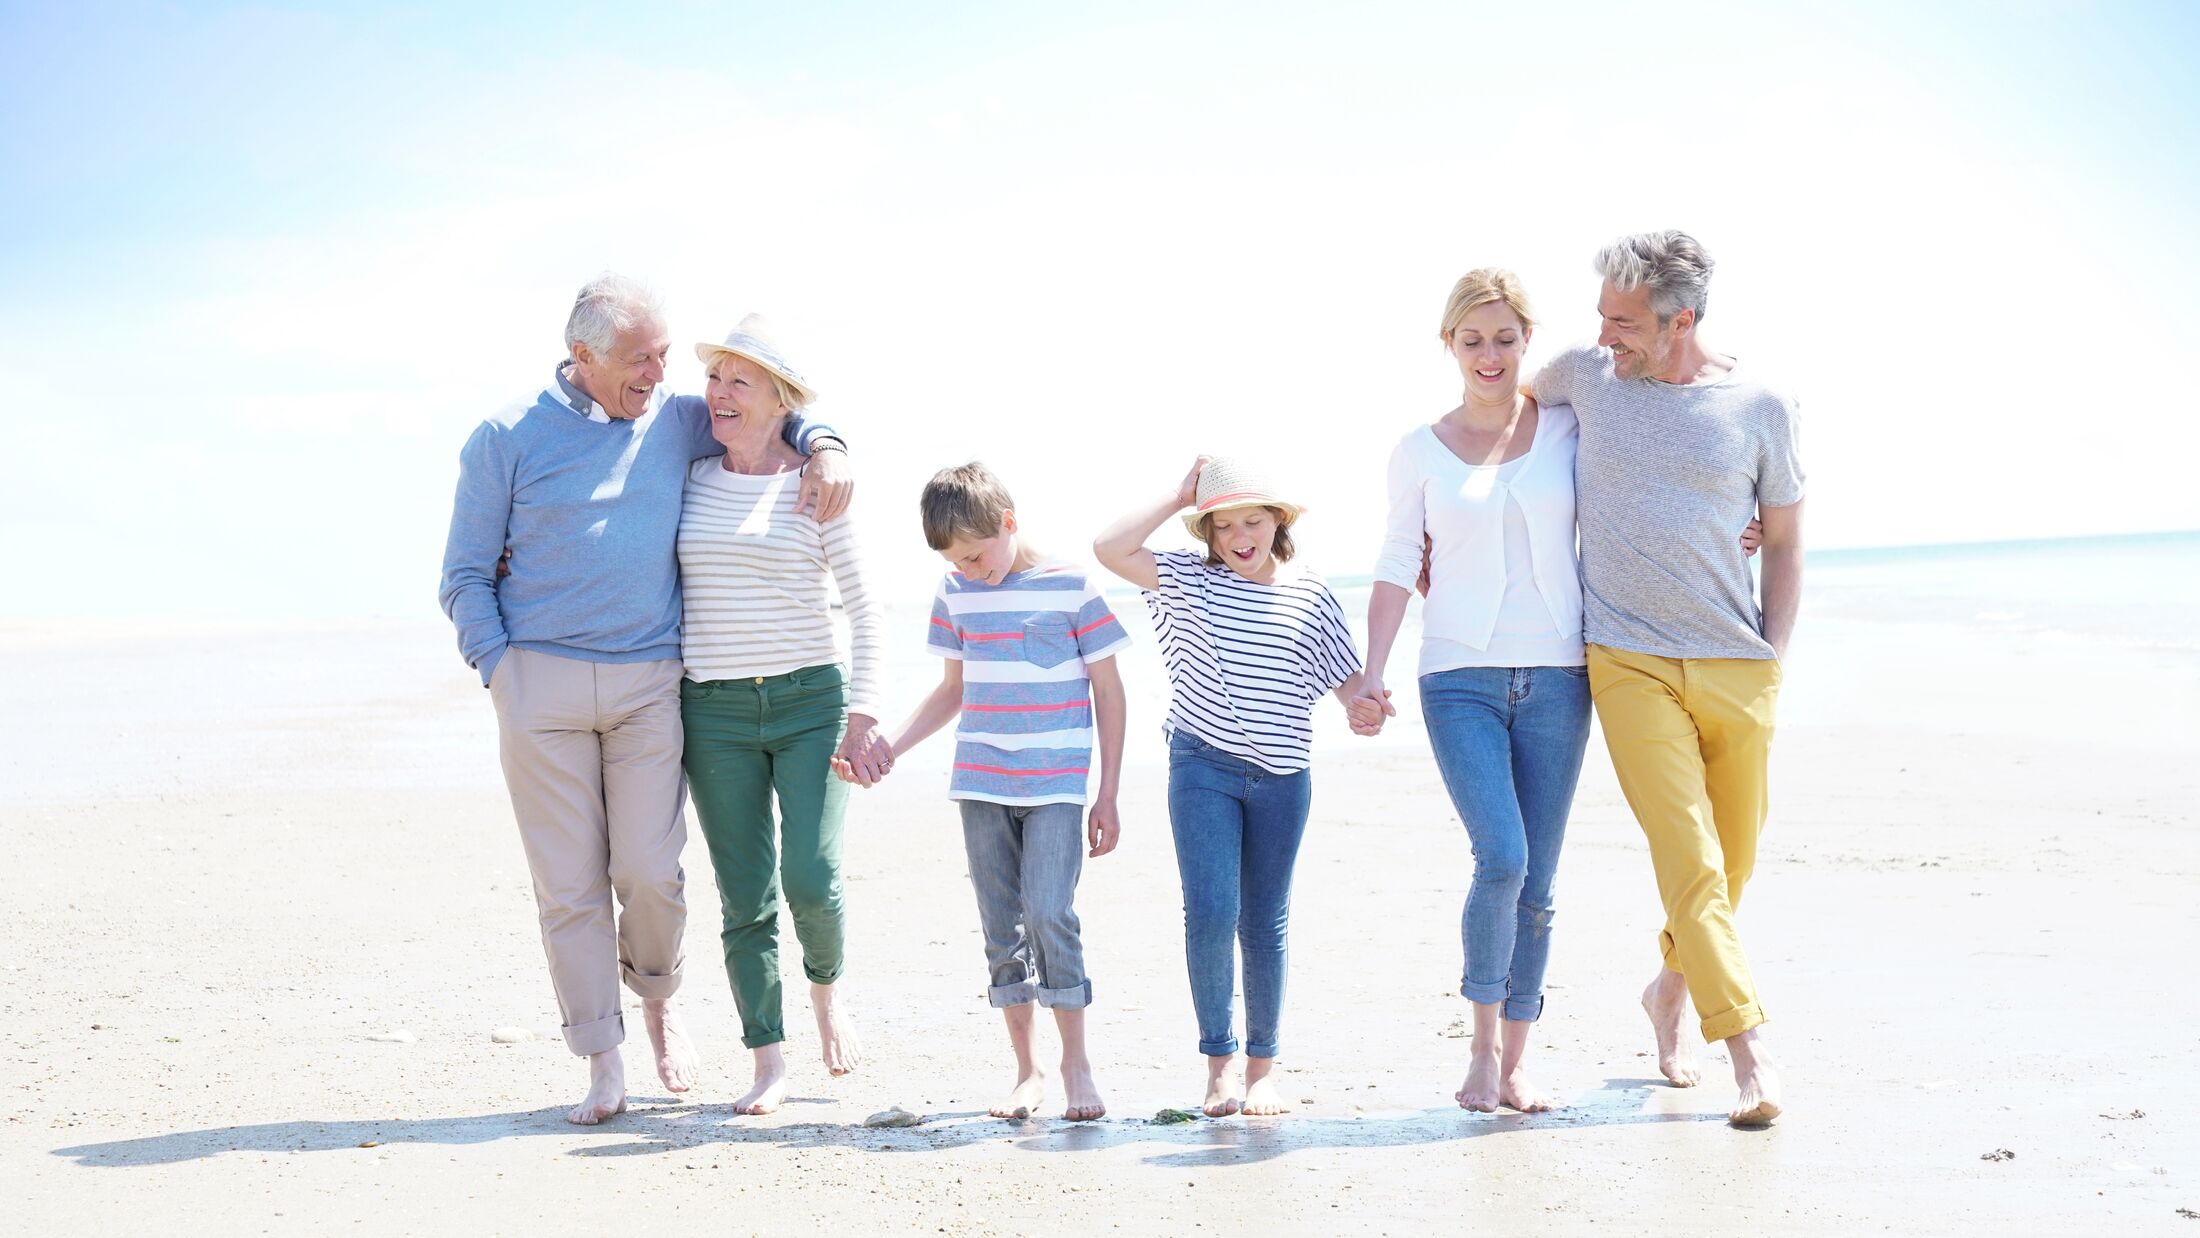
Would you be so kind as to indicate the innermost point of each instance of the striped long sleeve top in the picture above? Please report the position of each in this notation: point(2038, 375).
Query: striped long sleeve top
point(754, 580)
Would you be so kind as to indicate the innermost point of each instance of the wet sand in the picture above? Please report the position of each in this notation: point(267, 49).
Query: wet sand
point(236, 855)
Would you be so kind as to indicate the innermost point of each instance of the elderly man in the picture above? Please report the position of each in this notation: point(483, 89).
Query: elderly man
point(580, 649)
point(1679, 446)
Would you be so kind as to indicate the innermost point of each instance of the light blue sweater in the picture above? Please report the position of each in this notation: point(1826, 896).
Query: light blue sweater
point(591, 512)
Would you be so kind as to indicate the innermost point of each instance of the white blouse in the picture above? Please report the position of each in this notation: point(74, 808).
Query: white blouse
point(1504, 581)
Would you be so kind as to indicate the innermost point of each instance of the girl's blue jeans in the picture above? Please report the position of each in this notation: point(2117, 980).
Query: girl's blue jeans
point(1237, 829)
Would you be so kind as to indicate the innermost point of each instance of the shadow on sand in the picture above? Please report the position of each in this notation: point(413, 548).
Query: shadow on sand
point(656, 1126)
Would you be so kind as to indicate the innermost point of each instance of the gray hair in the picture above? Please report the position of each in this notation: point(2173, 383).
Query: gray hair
point(1672, 264)
point(607, 305)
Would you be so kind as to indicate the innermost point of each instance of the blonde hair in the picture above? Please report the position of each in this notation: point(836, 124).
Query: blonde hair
point(964, 501)
point(1481, 287)
point(790, 396)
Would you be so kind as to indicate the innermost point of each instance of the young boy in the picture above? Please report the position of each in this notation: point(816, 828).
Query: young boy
point(1030, 652)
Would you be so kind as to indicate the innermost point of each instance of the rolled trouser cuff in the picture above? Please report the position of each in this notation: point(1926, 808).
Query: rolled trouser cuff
point(600, 1036)
point(1003, 996)
point(1263, 1049)
point(1219, 1048)
point(1733, 1022)
point(1076, 997)
point(1524, 1009)
point(1482, 994)
point(651, 987)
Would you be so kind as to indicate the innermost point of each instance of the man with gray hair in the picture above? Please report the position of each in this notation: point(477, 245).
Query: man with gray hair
point(580, 650)
point(1680, 446)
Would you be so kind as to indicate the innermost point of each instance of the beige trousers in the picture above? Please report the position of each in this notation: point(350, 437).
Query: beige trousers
point(592, 758)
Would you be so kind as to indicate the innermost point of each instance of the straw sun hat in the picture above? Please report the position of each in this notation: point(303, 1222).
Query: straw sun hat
point(753, 340)
point(1226, 484)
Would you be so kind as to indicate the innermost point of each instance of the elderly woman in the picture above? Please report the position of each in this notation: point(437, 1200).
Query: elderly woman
point(1482, 501)
point(765, 701)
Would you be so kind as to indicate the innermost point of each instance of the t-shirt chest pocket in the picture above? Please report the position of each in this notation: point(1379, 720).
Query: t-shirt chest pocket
point(1047, 640)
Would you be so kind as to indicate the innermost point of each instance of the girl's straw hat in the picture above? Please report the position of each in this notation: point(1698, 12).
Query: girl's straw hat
point(1227, 483)
point(753, 339)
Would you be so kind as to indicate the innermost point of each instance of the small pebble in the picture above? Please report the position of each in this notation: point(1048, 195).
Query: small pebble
point(511, 1035)
point(896, 1116)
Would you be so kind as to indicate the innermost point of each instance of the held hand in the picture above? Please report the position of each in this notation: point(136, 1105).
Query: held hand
point(1102, 827)
point(864, 756)
point(504, 564)
point(1188, 493)
point(1753, 536)
point(827, 485)
point(1420, 583)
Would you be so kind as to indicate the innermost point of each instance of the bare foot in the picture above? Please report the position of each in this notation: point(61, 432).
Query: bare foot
point(1262, 1100)
point(1517, 1093)
point(1666, 1002)
point(606, 1090)
point(836, 1031)
point(1023, 1100)
point(1479, 1092)
point(1758, 1080)
point(1081, 1095)
point(677, 1061)
point(1225, 1092)
point(771, 1083)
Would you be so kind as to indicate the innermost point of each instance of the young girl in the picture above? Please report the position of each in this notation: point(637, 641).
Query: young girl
point(1251, 644)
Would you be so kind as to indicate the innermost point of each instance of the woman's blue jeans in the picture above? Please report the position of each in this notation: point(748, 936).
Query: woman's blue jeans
point(1508, 741)
point(1237, 829)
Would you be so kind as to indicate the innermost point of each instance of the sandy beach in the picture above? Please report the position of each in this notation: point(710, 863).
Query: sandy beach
point(268, 906)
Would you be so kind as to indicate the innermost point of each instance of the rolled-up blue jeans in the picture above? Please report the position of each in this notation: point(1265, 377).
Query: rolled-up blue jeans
point(1509, 741)
point(1237, 829)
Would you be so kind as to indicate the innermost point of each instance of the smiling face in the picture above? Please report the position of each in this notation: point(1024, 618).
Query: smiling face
point(987, 560)
point(741, 396)
point(623, 378)
point(1487, 344)
point(1244, 538)
point(1641, 346)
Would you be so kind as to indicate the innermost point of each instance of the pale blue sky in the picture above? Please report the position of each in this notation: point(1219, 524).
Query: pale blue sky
point(265, 267)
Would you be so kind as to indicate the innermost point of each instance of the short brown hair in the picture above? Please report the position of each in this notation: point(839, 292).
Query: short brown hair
point(964, 501)
point(1478, 288)
point(1282, 549)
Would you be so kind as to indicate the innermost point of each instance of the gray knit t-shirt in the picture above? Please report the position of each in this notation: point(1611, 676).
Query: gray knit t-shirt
point(1666, 477)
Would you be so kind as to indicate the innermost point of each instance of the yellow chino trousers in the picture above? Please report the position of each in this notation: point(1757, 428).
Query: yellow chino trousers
point(1690, 739)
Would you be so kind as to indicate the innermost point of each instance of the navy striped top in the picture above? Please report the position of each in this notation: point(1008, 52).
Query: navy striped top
point(1247, 661)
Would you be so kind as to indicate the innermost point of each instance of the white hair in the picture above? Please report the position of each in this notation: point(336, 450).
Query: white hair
point(1673, 265)
point(607, 305)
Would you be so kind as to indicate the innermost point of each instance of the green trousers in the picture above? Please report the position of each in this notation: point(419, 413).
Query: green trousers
point(749, 741)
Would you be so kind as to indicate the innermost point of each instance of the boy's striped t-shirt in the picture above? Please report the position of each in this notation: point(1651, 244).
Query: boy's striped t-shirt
point(1248, 661)
point(1025, 735)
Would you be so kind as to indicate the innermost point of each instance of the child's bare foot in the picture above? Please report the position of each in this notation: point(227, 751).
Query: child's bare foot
point(771, 1082)
point(677, 1061)
point(836, 1031)
point(606, 1090)
point(1517, 1093)
point(1262, 1100)
point(1666, 1002)
point(1225, 1091)
point(1024, 1099)
point(1080, 1094)
point(1754, 1073)
point(1479, 1092)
